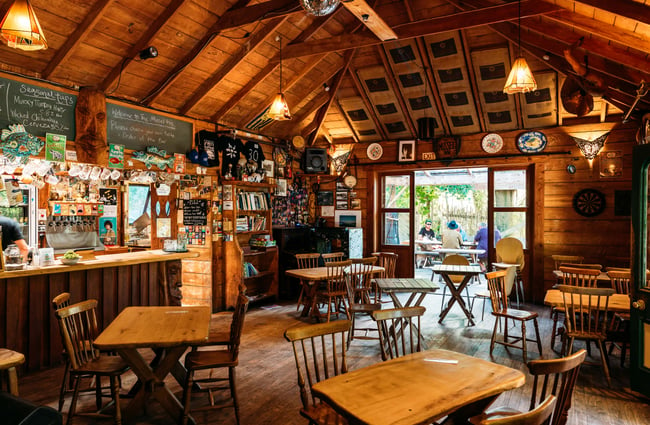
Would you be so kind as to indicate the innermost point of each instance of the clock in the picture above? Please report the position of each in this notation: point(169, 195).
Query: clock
point(492, 143)
point(589, 202)
point(350, 181)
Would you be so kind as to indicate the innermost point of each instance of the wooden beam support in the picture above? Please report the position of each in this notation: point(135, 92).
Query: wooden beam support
point(322, 112)
point(260, 36)
point(366, 102)
point(432, 85)
point(370, 19)
point(473, 18)
point(626, 8)
point(338, 106)
point(398, 94)
point(144, 41)
point(236, 16)
point(94, 15)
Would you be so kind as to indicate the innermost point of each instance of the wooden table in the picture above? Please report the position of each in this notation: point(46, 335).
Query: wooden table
point(618, 303)
point(446, 270)
point(312, 276)
point(172, 329)
point(416, 287)
point(410, 390)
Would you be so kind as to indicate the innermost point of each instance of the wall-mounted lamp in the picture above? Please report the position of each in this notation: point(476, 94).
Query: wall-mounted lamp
point(326, 87)
point(20, 27)
point(148, 53)
point(590, 148)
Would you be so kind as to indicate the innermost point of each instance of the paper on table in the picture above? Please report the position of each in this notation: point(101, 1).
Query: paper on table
point(442, 361)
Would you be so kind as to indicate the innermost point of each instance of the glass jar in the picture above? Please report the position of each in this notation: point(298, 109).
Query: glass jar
point(13, 255)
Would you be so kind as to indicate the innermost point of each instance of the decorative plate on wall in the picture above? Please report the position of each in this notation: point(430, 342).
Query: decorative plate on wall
point(492, 143)
point(531, 142)
point(589, 202)
point(374, 151)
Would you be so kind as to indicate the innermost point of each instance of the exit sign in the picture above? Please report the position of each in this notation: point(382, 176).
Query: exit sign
point(428, 156)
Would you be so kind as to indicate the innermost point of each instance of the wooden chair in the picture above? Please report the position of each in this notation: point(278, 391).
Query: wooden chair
point(484, 294)
point(60, 301)
point(197, 360)
point(511, 251)
point(619, 328)
point(78, 326)
point(585, 311)
point(457, 260)
point(361, 273)
point(305, 261)
point(541, 415)
point(9, 359)
point(394, 339)
point(358, 307)
point(387, 260)
point(499, 298)
point(574, 276)
point(319, 351)
point(335, 291)
point(592, 266)
point(561, 259)
point(333, 256)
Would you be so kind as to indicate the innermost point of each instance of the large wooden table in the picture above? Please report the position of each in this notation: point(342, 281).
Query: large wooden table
point(312, 276)
point(446, 271)
point(618, 303)
point(410, 390)
point(172, 329)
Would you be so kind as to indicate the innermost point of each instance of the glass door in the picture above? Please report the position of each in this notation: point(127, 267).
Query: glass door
point(396, 226)
point(640, 292)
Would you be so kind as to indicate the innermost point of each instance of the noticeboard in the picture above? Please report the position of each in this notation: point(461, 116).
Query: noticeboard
point(195, 212)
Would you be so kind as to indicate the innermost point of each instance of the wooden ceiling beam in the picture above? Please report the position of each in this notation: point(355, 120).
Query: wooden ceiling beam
point(604, 31)
point(457, 21)
point(338, 106)
point(322, 112)
point(367, 102)
point(317, 24)
point(94, 15)
point(626, 8)
point(260, 36)
point(398, 93)
point(240, 14)
point(370, 18)
point(144, 41)
point(428, 71)
point(474, 85)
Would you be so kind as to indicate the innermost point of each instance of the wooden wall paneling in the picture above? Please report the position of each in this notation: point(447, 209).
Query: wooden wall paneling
point(17, 308)
point(153, 283)
point(75, 285)
point(136, 290)
point(124, 296)
point(93, 283)
point(57, 284)
point(143, 276)
point(536, 291)
point(37, 343)
point(109, 295)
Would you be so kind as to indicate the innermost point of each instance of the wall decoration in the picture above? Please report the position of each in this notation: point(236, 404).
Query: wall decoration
point(164, 227)
point(55, 147)
point(611, 164)
point(195, 212)
point(374, 151)
point(325, 198)
point(327, 211)
point(531, 142)
point(18, 143)
point(447, 147)
point(406, 151)
point(115, 156)
point(281, 189)
point(154, 156)
point(589, 202)
point(347, 218)
point(107, 230)
point(492, 143)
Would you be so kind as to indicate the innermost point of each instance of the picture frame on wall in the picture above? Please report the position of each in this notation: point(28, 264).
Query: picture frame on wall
point(347, 218)
point(268, 166)
point(325, 198)
point(281, 189)
point(406, 151)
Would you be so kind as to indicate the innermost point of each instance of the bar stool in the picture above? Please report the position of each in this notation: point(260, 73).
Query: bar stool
point(9, 359)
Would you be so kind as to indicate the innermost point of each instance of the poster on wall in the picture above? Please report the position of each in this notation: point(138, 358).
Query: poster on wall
point(164, 227)
point(347, 218)
point(55, 147)
point(107, 230)
point(115, 156)
point(108, 195)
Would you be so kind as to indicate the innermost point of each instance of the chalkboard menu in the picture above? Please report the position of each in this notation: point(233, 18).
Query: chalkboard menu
point(195, 212)
point(136, 129)
point(39, 109)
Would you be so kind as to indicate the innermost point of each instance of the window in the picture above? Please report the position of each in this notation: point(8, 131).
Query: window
point(395, 211)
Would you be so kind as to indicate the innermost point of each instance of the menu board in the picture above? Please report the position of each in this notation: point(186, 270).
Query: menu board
point(41, 110)
point(195, 212)
point(138, 128)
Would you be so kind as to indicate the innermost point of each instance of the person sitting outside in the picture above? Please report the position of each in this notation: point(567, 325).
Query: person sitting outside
point(481, 239)
point(451, 237)
point(427, 237)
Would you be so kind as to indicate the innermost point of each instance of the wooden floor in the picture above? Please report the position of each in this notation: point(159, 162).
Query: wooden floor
point(266, 375)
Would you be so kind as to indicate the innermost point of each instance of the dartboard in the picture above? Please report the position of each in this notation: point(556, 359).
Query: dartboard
point(589, 202)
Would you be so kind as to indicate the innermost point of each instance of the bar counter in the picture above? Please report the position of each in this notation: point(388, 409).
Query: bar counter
point(27, 320)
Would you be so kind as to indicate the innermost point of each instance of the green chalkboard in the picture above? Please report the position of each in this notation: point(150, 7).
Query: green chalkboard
point(41, 110)
point(136, 129)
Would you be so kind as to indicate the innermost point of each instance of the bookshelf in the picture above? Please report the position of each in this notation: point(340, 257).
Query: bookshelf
point(250, 260)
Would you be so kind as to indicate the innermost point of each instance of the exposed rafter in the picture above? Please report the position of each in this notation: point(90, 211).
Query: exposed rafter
point(397, 91)
point(64, 52)
point(626, 8)
point(357, 83)
point(370, 18)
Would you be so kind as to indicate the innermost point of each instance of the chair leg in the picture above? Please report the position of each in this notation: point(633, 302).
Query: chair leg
point(73, 402)
point(187, 396)
point(523, 341)
point(233, 392)
point(64, 384)
point(444, 294)
point(98, 392)
point(604, 360)
point(539, 341)
point(12, 381)
point(494, 334)
point(302, 293)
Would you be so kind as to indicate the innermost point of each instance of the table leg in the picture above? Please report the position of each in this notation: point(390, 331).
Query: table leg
point(456, 296)
point(308, 297)
point(153, 383)
point(462, 415)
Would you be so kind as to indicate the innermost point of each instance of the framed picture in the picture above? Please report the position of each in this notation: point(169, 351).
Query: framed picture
point(267, 166)
point(281, 189)
point(406, 151)
point(347, 218)
point(325, 198)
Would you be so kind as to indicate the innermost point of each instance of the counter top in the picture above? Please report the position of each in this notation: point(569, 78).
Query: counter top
point(102, 261)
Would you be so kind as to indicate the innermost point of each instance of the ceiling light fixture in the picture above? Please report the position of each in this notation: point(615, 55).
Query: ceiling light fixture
point(279, 110)
point(520, 79)
point(20, 27)
point(319, 7)
point(148, 53)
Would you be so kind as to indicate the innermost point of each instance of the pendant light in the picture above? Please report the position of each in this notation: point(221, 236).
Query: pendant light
point(319, 7)
point(20, 27)
point(520, 79)
point(279, 110)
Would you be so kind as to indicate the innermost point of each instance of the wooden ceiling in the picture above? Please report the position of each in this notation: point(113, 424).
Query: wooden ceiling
point(219, 61)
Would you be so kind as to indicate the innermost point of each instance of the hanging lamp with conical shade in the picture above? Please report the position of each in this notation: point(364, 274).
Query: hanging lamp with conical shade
point(520, 79)
point(20, 27)
point(279, 110)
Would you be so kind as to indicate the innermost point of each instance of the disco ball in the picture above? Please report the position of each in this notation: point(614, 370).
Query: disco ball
point(319, 7)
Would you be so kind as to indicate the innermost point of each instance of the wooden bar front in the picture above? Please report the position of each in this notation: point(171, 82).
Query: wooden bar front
point(28, 324)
